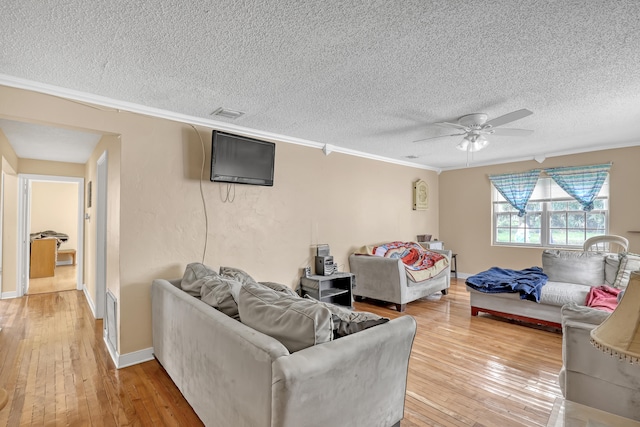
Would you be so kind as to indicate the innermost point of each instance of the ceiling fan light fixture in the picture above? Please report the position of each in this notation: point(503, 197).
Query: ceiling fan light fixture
point(472, 143)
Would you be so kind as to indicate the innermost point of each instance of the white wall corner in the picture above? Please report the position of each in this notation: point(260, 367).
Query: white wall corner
point(9, 295)
point(133, 358)
point(89, 300)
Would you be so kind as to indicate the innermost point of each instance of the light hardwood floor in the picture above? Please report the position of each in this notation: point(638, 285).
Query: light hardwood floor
point(463, 371)
point(64, 279)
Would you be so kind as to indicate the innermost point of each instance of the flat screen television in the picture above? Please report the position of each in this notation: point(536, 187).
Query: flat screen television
point(241, 160)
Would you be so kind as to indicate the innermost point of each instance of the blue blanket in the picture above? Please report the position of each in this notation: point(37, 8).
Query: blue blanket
point(528, 282)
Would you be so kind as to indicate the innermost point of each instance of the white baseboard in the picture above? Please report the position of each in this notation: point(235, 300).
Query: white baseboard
point(135, 357)
point(89, 300)
point(9, 295)
point(129, 359)
point(464, 275)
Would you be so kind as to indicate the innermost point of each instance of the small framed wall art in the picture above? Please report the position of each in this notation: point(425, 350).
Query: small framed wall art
point(89, 194)
point(420, 196)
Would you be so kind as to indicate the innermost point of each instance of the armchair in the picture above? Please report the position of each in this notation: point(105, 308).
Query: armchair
point(591, 377)
point(385, 279)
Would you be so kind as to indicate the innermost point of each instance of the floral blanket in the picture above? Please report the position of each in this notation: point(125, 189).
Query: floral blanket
point(420, 263)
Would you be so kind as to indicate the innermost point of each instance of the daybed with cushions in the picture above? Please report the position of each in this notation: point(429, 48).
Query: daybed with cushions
point(571, 275)
point(385, 276)
point(256, 354)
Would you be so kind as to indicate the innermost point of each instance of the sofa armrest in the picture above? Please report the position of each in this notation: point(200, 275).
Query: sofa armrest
point(360, 378)
point(213, 359)
point(580, 314)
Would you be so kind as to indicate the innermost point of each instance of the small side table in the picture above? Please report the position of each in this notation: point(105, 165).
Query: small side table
point(336, 288)
point(454, 265)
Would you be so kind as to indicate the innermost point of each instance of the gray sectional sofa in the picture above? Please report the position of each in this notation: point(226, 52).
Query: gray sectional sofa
point(571, 275)
point(234, 375)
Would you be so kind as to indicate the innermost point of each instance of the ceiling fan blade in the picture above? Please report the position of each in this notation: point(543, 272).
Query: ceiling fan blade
point(511, 132)
point(439, 136)
point(509, 117)
point(452, 125)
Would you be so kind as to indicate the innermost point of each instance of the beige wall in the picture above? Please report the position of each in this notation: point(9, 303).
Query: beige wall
point(111, 145)
point(42, 167)
point(465, 207)
point(9, 229)
point(9, 217)
point(6, 150)
point(159, 218)
point(54, 206)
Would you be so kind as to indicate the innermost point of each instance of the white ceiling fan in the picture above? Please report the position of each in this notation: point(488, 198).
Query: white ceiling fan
point(475, 129)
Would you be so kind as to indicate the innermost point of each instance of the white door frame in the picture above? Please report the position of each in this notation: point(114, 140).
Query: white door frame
point(101, 235)
point(24, 226)
point(1, 225)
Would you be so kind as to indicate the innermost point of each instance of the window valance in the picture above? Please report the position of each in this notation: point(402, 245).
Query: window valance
point(581, 182)
point(516, 187)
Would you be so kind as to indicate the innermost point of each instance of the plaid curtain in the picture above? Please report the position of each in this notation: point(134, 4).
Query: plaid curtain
point(516, 187)
point(583, 183)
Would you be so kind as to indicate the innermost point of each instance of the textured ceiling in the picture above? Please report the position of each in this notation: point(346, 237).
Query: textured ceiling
point(40, 142)
point(370, 76)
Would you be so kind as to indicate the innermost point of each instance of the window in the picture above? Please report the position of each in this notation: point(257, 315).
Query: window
point(553, 218)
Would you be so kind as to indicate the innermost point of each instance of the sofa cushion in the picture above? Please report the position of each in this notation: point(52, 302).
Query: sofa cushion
point(280, 288)
point(585, 268)
point(628, 263)
point(236, 274)
point(347, 322)
point(195, 271)
point(296, 322)
point(221, 293)
point(561, 293)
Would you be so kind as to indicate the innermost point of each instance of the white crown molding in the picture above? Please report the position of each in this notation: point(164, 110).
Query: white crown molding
point(548, 155)
point(102, 101)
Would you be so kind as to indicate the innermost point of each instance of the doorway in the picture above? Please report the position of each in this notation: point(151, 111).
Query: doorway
point(36, 193)
point(53, 236)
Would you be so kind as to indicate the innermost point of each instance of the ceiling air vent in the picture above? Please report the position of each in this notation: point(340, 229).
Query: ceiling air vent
point(227, 113)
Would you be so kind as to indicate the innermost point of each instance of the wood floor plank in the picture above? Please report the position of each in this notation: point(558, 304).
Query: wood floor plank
point(464, 371)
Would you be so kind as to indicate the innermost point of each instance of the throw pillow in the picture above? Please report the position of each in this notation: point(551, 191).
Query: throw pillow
point(628, 262)
point(221, 293)
point(347, 322)
point(195, 271)
point(611, 267)
point(296, 322)
point(236, 274)
point(585, 268)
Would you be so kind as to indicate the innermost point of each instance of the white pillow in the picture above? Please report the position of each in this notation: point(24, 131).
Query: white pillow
point(611, 267)
point(628, 263)
point(584, 268)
